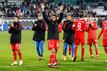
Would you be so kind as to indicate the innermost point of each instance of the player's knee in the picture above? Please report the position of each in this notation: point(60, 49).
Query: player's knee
point(52, 50)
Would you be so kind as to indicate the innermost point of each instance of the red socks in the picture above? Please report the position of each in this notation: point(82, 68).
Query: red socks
point(90, 49)
point(20, 55)
point(53, 58)
point(15, 55)
point(96, 51)
point(82, 52)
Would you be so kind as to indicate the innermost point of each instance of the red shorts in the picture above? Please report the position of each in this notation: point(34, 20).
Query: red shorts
point(104, 42)
point(53, 44)
point(15, 46)
point(79, 40)
point(92, 41)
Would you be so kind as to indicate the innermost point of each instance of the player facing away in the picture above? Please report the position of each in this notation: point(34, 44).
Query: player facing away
point(39, 35)
point(104, 33)
point(68, 36)
point(53, 35)
point(92, 36)
point(79, 27)
point(15, 39)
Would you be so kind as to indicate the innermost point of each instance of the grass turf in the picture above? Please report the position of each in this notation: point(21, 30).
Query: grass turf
point(31, 62)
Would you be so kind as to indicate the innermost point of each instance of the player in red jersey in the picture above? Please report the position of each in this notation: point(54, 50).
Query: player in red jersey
point(79, 27)
point(92, 38)
point(104, 33)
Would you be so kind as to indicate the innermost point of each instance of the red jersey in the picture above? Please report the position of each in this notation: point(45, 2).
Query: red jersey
point(104, 30)
point(104, 23)
point(91, 29)
point(79, 27)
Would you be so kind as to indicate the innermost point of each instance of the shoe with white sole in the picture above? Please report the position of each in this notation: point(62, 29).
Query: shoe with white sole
point(14, 63)
point(20, 62)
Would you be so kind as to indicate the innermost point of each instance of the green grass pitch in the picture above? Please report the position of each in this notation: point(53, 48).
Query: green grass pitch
point(31, 62)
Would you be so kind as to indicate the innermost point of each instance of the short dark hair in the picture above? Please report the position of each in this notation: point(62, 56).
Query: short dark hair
point(16, 16)
point(81, 16)
point(54, 15)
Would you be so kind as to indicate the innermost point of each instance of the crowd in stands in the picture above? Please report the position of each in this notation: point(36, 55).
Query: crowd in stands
point(30, 8)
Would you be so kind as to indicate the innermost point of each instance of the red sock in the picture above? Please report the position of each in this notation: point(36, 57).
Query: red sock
point(90, 51)
point(96, 51)
point(106, 50)
point(54, 58)
point(82, 52)
point(76, 50)
point(20, 55)
point(14, 54)
point(70, 50)
point(51, 58)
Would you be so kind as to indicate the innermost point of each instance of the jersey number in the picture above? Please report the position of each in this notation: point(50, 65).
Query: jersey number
point(79, 26)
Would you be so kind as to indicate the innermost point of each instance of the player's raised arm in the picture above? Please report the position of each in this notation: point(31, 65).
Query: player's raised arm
point(44, 14)
point(61, 14)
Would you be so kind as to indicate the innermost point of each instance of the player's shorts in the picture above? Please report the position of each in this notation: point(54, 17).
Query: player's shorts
point(79, 40)
point(104, 42)
point(15, 46)
point(53, 44)
point(92, 41)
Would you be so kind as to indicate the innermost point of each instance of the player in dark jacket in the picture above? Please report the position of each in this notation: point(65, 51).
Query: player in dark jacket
point(68, 35)
point(15, 39)
point(39, 35)
point(53, 34)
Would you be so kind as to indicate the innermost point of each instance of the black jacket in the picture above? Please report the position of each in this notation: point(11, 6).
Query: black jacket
point(68, 32)
point(53, 33)
point(39, 30)
point(15, 33)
